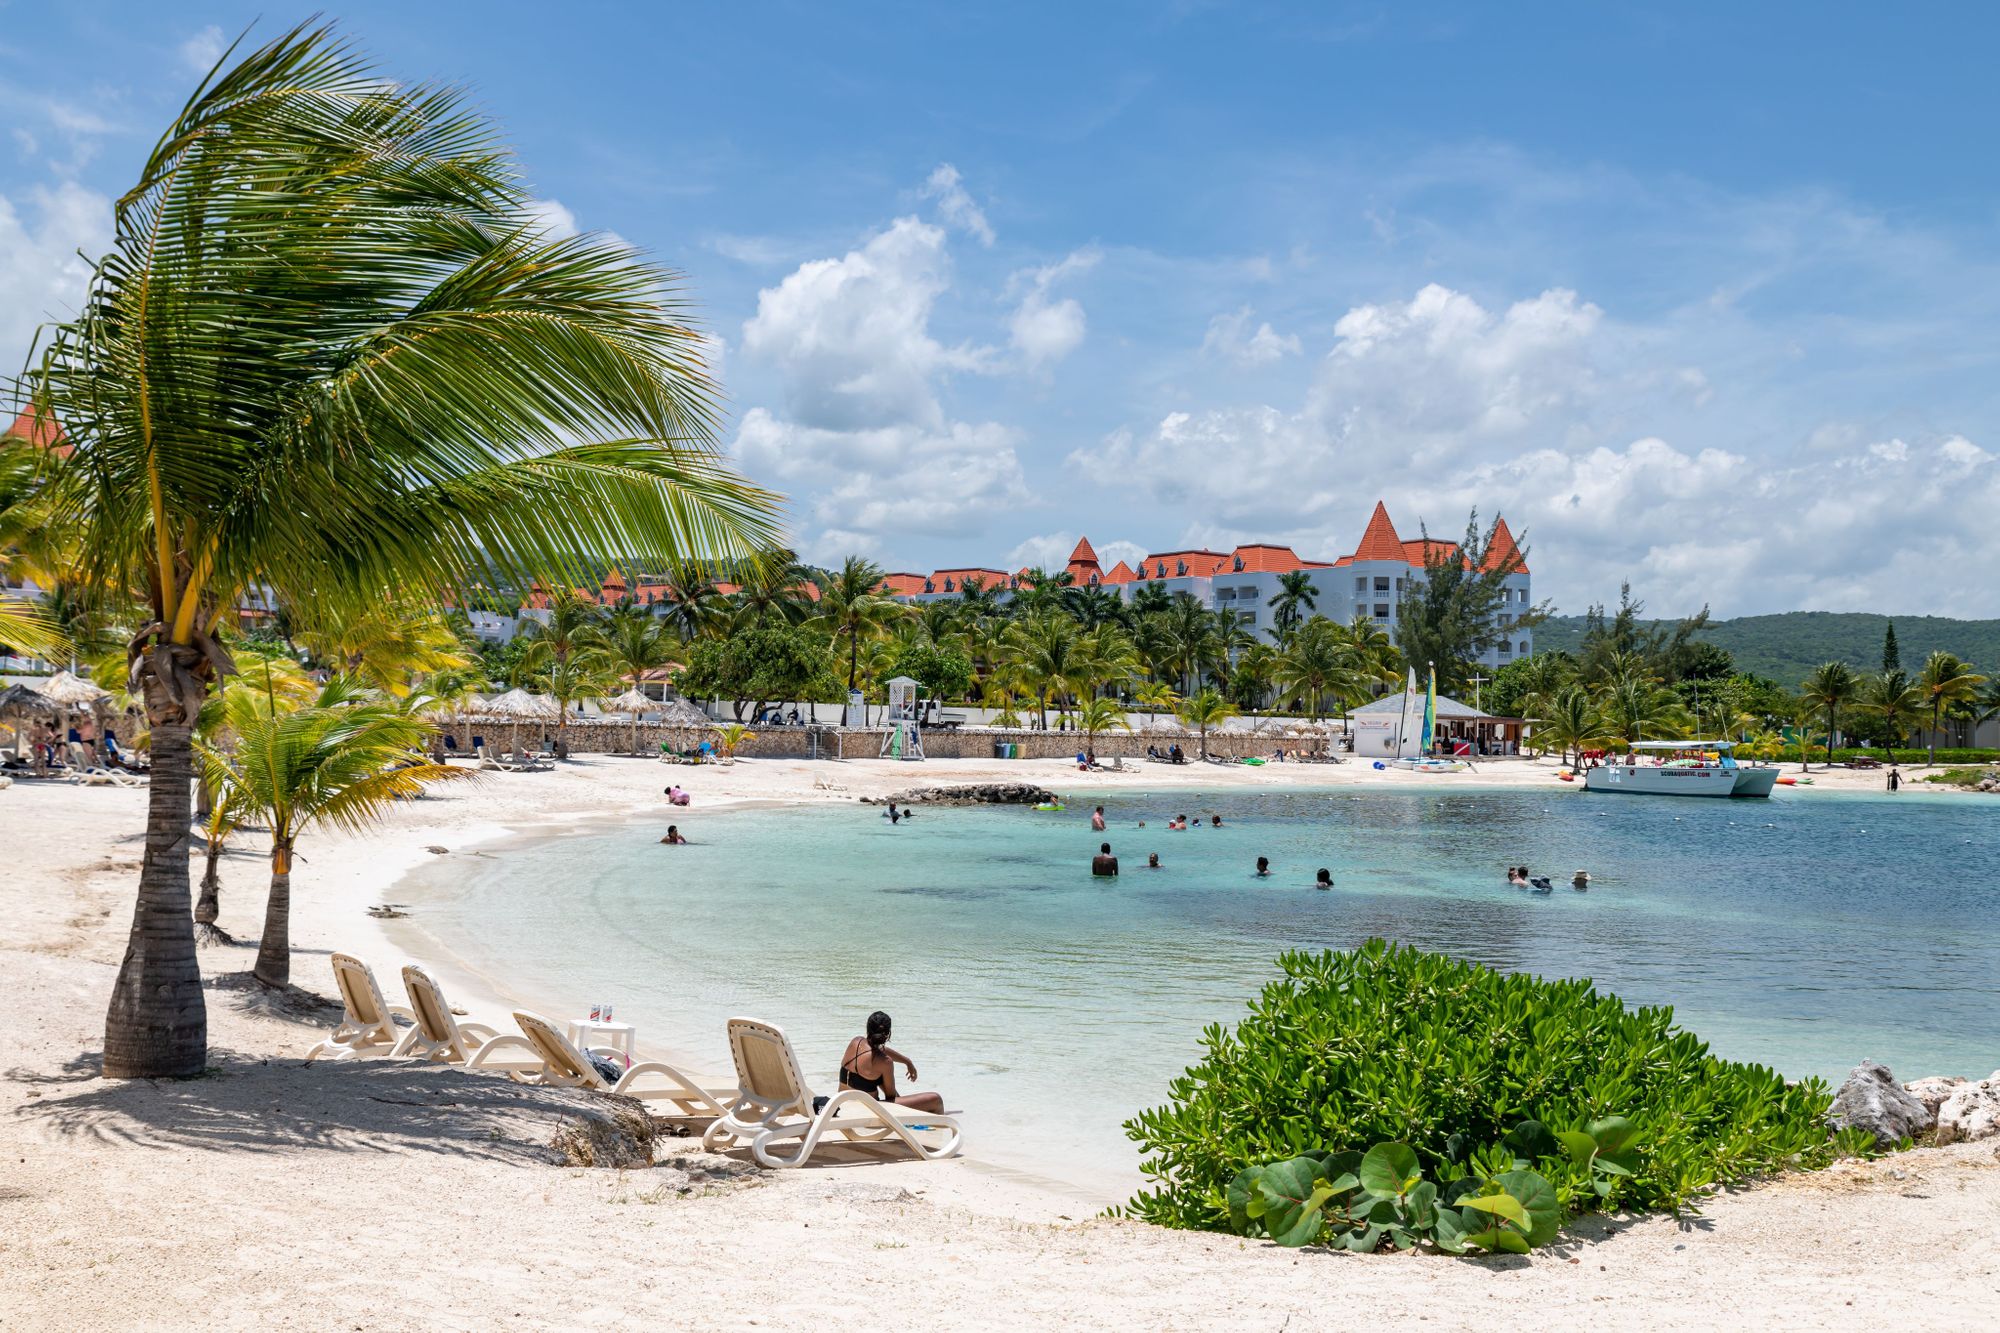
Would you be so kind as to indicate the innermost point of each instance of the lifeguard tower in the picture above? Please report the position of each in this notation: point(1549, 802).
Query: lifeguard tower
point(903, 741)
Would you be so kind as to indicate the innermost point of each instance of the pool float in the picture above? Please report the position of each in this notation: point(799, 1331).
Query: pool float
point(1567, 776)
point(1788, 782)
point(1049, 805)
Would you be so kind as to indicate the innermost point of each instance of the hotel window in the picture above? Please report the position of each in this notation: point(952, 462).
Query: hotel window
point(1247, 594)
point(1246, 617)
point(1225, 594)
point(1381, 585)
point(1381, 610)
point(1180, 569)
point(1361, 585)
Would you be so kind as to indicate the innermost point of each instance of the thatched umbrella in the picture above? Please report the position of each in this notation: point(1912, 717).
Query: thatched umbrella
point(20, 701)
point(67, 691)
point(633, 703)
point(517, 706)
point(681, 716)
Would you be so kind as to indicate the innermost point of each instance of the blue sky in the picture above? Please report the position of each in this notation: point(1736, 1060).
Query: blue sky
point(1700, 297)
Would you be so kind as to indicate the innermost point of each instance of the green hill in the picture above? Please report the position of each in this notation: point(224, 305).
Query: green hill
point(1786, 647)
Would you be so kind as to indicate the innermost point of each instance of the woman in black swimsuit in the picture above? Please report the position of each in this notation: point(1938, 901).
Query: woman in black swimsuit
point(870, 1065)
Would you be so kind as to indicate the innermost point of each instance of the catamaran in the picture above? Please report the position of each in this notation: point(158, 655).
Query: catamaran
point(1416, 729)
point(1681, 768)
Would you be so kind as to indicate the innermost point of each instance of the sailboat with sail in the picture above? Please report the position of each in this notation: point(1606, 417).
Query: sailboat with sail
point(1418, 728)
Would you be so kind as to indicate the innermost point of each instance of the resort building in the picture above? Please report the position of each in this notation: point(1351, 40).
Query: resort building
point(1368, 581)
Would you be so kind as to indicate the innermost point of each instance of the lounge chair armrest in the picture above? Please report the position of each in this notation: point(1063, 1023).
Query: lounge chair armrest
point(479, 1030)
point(399, 1011)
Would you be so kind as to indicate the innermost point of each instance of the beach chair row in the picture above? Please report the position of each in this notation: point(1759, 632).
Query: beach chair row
point(772, 1110)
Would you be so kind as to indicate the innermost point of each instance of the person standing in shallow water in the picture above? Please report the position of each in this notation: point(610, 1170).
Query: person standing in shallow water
point(1895, 779)
point(1097, 820)
point(1104, 863)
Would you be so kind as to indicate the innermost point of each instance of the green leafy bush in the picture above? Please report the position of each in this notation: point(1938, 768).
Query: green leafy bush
point(1816, 755)
point(1387, 1044)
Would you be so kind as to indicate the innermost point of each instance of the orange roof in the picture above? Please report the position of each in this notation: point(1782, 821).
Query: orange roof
point(1418, 552)
point(988, 578)
point(903, 584)
point(1379, 540)
point(1263, 558)
point(1121, 573)
point(614, 580)
point(1502, 548)
point(1199, 562)
point(1083, 554)
point(40, 429)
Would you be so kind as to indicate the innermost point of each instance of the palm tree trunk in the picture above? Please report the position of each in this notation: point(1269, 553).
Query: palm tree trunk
point(274, 949)
point(1932, 761)
point(208, 906)
point(157, 1024)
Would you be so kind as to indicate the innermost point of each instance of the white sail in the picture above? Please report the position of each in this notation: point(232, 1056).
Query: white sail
point(1409, 742)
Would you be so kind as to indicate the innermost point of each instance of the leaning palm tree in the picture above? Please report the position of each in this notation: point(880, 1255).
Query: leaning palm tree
point(340, 762)
point(1574, 723)
point(1204, 709)
point(1946, 681)
point(334, 349)
point(1828, 691)
point(1097, 715)
point(1896, 703)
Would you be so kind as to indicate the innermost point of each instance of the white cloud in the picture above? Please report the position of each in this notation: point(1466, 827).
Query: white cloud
point(1051, 551)
point(955, 206)
point(1045, 330)
point(553, 218)
point(42, 276)
point(200, 52)
point(1228, 340)
point(851, 336)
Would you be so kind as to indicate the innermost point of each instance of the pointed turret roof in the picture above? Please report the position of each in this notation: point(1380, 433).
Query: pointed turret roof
point(1379, 541)
point(1502, 548)
point(1083, 554)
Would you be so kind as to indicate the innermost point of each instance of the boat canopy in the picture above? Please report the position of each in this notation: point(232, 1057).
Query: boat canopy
point(1682, 745)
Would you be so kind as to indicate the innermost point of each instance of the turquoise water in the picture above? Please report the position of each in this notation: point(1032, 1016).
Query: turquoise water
point(1803, 932)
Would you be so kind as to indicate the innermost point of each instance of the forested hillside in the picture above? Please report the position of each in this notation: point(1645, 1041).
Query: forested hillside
point(1786, 647)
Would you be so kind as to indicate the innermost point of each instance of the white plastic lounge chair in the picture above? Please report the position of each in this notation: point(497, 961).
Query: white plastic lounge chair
point(560, 1064)
point(438, 1035)
point(774, 1106)
point(369, 1023)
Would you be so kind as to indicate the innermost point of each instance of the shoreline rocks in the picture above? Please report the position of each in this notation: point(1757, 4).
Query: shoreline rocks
point(1871, 1099)
point(978, 793)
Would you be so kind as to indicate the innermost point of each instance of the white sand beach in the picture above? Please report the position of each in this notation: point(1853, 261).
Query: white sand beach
point(365, 1195)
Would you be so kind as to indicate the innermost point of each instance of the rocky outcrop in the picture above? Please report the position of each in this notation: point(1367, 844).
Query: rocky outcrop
point(978, 793)
point(1971, 1112)
point(1933, 1092)
point(1871, 1099)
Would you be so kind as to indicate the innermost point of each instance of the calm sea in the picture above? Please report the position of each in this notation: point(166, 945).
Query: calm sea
point(1803, 932)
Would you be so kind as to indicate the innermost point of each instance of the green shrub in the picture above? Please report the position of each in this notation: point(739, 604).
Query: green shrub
point(1959, 777)
point(1387, 1044)
point(1789, 754)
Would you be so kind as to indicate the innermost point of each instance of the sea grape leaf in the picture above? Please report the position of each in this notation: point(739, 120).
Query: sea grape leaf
point(1388, 1168)
point(1531, 1139)
point(1241, 1197)
point(1292, 1200)
point(1580, 1146)
point(1423, 1205)
point(1499, 1205)
point(1449, 1231)
point(1614, 1134)
point(1536, 1198)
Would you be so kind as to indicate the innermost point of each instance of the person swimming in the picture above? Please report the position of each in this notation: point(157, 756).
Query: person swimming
point(1152, 860)
point(1263, 867)
point(1215, 821)
point(1104, 863)
point(1517, 877)
point(1325, 880)
point(894, 816)
point(674, 838)
point(1580, 880)
point(1097, 820)
point(869, 1066)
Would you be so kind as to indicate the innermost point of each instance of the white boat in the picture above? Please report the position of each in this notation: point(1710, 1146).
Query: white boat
point(1681, 768)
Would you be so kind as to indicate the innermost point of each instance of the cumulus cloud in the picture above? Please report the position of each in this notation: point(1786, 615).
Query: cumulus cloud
point(42, 276)
point(1230, 338)
point(955, 206)
point(1051, 550)
point(1439, 404)
point(851, 337)
point(1043, 329)
point(553, 218)
point(200, 52)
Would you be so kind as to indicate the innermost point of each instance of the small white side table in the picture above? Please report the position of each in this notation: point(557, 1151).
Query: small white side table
point(585, 1033)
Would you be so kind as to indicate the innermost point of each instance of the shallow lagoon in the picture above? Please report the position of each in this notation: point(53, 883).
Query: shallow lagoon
point(1805, 932)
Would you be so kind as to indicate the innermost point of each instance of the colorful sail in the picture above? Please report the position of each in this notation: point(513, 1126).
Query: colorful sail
point(1430, 711)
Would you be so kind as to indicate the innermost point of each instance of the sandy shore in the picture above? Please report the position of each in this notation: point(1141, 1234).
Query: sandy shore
point(277, 1194)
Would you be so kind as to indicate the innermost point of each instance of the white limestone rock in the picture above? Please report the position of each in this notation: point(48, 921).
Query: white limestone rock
point(1933, 1092)
point(1972, 1112)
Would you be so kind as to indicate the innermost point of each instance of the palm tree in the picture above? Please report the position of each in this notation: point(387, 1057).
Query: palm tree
point(1896, 703)
point(692, 606)
point(1041, 590)
point(1296, 595)
point(1574, 723)
point(851, 609)
point(339, 761)
point(333, 348)
point(1096, 715)
point(1635, 706)
point(1044, 653)
point(772, 588)
point(265, 686)
point(1372, 651)
point(1828, 690)
point(1946, 681)
point(631, 643)
point(1105, 659)
point(1251, 678)
point(566, 680)
point(1156, 696)
point(388, 644)
point(1204, 710)
point(1092, 606)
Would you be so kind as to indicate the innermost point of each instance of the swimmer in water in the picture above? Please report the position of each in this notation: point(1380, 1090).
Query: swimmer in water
point(1152, 860)
point(674, 838)
point(1263, 867)
point(1215, 821)
point(1325, 880)
point(1097, 820)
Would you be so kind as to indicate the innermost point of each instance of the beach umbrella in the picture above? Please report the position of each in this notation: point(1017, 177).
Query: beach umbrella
point(518, 706)
point(684, 716)
point(19, 700)
point(633, 703)
point(67, 691)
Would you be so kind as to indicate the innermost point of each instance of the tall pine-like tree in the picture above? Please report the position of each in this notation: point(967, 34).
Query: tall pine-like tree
point(1892, 657)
